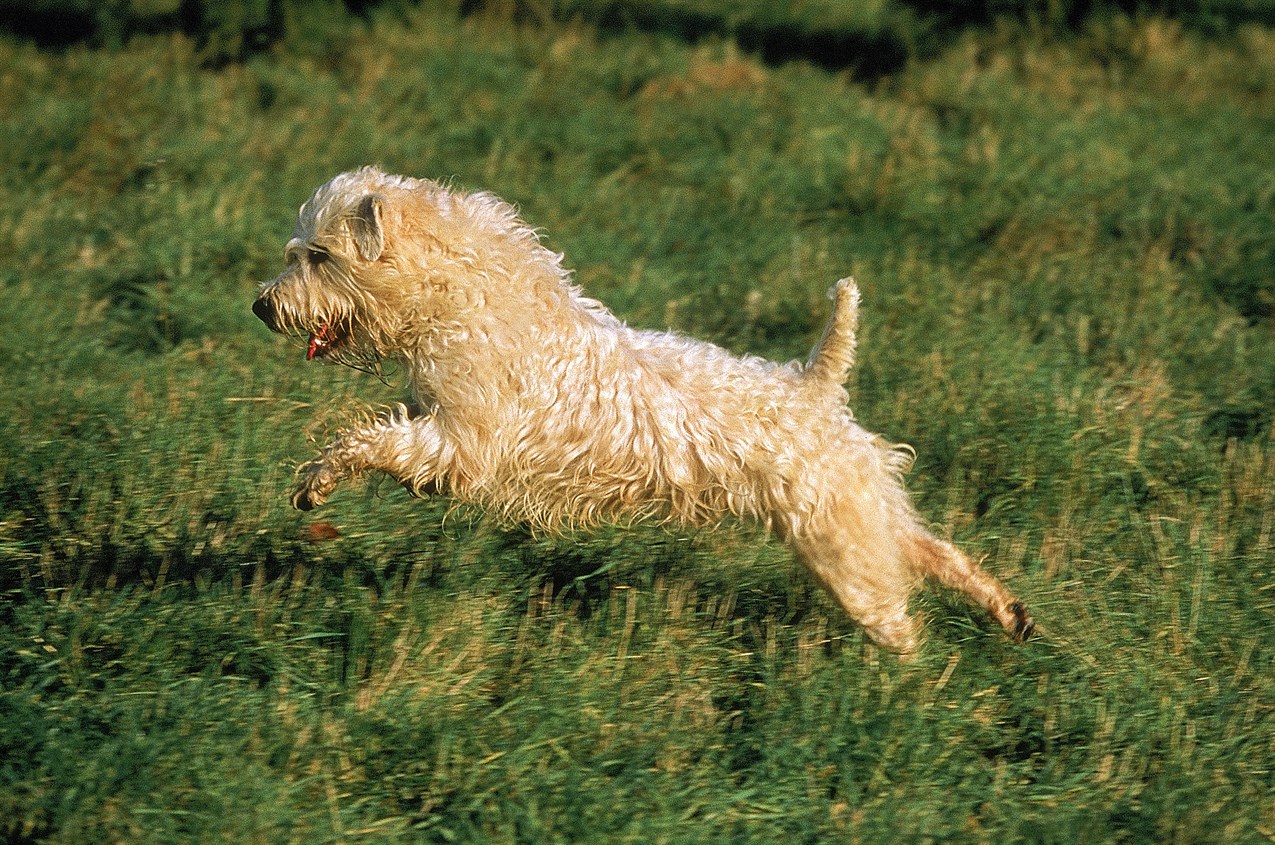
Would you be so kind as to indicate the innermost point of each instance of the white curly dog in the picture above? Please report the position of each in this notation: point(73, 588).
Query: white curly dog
point(537, 403)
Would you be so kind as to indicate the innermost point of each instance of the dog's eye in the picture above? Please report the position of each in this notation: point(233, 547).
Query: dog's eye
point(316, 257)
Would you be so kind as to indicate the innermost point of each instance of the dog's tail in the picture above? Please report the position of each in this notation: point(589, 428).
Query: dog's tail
point(833, 356)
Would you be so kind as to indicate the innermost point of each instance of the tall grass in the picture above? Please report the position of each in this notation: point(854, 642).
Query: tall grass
point(1065, 246)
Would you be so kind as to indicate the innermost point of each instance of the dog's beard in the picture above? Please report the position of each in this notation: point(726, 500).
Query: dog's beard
point(334, 340)
point(336, 343)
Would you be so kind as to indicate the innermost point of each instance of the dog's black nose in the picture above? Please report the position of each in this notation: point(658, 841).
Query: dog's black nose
point(264, 312)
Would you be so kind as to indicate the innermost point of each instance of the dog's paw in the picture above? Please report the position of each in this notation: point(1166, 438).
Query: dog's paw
point(315, 482)
point(1023, 625)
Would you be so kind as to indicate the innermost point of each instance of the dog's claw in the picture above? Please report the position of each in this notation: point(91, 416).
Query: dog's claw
point(315, 483)
point(1024, 625)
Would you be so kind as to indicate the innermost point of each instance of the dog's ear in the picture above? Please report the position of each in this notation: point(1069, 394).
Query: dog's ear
point(365, 225)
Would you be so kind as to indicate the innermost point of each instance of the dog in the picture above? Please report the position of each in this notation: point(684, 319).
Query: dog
point(535, 402)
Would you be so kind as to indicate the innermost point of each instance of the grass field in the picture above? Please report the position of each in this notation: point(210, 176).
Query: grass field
point(1066, 243)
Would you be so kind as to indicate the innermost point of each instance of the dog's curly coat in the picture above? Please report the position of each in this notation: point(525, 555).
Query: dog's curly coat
point(541, 405)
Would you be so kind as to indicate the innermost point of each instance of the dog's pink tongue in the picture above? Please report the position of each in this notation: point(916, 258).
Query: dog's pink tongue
point(318, 342)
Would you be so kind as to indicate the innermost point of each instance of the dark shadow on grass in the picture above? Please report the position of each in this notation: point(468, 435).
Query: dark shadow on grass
point(870, 52)
point(869, 55)
point(871, 49)
point(48, 25)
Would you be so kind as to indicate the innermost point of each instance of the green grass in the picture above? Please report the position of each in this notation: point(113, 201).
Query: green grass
point(1067, 247)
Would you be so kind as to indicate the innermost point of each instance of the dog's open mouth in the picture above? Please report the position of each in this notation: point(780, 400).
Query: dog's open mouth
point(324, 341)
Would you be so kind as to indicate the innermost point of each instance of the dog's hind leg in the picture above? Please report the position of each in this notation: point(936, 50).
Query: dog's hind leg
point(857, 561)
point(951, 567)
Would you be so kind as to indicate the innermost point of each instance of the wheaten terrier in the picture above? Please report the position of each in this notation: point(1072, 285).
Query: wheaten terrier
point(536, 402)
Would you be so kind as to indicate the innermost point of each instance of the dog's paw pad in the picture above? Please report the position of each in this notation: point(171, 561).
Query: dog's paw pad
point(306, 500)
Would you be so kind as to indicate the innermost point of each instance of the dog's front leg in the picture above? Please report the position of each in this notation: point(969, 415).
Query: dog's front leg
point(406, 448)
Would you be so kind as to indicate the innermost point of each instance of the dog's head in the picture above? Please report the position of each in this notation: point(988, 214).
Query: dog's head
point(336, 267)
point(378, 263)
point(383, 266)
